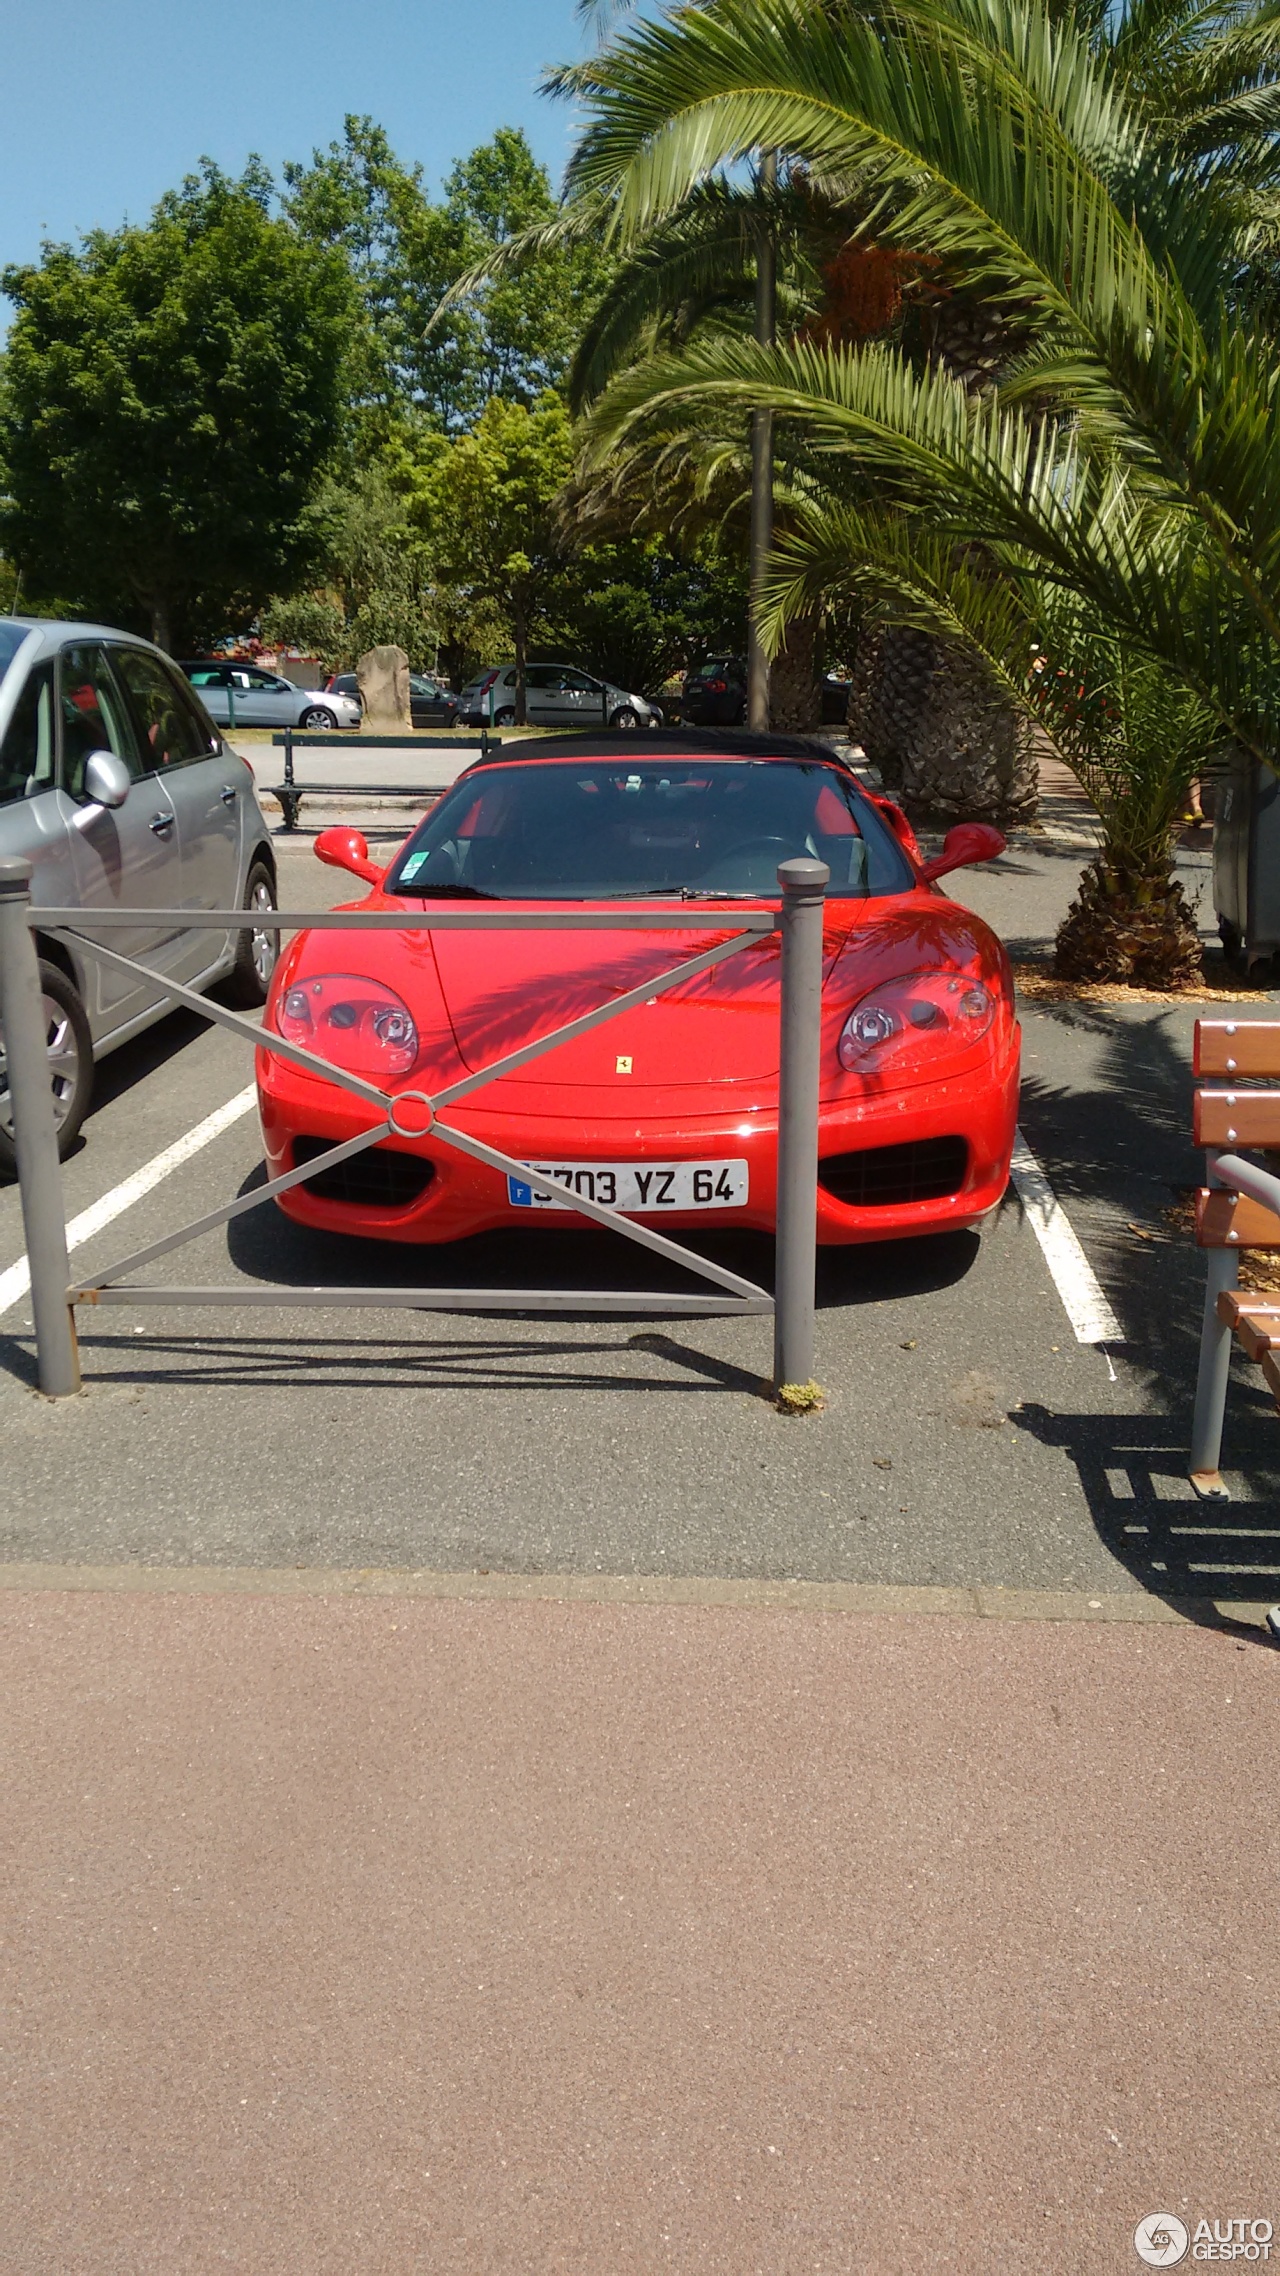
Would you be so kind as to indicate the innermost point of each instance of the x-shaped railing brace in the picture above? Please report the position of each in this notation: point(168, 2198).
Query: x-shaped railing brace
point(740, 1295)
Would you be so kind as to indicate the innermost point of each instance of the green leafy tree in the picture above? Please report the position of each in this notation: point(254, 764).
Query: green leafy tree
point(485, 507)
point(171, 393)
point(511, 337)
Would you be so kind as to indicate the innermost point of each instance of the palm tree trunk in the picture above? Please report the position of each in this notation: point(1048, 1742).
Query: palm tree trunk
point(942, 736)
point(762, 465)
point(1130, 921)
point(795, 698)
point(520, 632)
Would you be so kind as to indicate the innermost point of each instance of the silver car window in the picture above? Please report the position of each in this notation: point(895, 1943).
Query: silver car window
point(92, 713)
point(169, 731)
point(26, 755)
point(11, 639)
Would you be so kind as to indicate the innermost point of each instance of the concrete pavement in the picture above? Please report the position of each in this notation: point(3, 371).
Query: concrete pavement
point(361, 1939)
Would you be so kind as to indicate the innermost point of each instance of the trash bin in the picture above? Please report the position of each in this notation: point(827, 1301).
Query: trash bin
point(1246, 860)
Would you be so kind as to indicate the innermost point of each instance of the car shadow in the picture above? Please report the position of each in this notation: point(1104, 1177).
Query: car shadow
point(265, 1245)
point(122, 1070)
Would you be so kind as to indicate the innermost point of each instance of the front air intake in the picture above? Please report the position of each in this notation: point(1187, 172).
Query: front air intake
point(885, 1177)
point(379, 1178)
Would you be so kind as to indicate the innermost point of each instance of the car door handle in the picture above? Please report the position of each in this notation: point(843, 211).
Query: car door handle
point(160, 823)
point(228, 796)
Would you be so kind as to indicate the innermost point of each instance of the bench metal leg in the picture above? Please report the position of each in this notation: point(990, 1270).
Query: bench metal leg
point(1211, 1381)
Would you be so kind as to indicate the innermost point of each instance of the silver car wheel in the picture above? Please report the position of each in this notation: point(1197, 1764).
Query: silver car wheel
point(64, 1065)
point(266, 944)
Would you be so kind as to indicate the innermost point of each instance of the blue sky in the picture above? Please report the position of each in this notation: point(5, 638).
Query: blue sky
point(109, 102)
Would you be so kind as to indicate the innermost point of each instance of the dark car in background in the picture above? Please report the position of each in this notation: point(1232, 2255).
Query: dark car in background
point(430, 705)
point(715, 693)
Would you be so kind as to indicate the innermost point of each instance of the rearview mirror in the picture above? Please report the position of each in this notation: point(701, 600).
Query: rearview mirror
point(348, 849)
point(968, 843)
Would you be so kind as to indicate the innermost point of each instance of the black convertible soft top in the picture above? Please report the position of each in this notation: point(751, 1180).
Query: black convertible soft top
point(667, 742)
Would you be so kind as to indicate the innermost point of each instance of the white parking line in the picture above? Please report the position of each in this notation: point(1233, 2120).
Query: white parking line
point(17, 1280)
point(1077, 1284)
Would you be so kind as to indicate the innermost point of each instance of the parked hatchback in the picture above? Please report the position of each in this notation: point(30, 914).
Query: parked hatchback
point(259, 698)
point(715, 693)
point(556, 695)
point(430, 705)
point(120, 791)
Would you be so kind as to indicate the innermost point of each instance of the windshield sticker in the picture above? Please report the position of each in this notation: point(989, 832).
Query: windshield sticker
point(412, 866)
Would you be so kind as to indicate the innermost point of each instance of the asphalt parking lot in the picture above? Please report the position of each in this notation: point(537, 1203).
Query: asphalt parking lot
point(969, 1440)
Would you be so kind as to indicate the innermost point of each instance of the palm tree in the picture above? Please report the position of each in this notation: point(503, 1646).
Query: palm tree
point(1132, 731)
point(1130, 458)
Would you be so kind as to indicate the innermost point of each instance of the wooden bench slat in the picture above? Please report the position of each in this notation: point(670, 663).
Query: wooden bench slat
point(1237, 1118)
point(1237, 1047)
point(1234, 1307)
point(1257, 1325)
point(1220, 1215)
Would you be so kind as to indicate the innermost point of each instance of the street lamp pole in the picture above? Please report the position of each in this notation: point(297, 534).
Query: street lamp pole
point(762, 460)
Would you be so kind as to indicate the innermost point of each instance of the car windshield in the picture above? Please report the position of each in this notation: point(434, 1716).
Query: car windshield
point(11, 639)
point(603, 829)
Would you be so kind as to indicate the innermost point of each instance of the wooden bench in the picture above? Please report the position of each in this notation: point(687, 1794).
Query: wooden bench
point(1236, 1210)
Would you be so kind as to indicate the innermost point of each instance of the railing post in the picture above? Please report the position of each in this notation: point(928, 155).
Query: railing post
point(804, 885)
point(1213, 1374)
point(35, 1137)
point(289, 800)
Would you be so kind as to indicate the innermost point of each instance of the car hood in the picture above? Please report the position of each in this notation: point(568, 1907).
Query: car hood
point(712, 1032)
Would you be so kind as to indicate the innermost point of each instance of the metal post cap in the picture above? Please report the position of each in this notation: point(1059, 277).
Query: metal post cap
point(801, 875)
point(15, 876)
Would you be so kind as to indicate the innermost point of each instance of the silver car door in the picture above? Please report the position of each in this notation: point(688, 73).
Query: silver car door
point(583, 697)
point(202, 781)
point(283, 701)
point(34, 815)
point(125, 856)
point(211, 683)
point(540, 681)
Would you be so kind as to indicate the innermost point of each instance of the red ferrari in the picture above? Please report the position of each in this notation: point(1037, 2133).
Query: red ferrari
point(669, 1111)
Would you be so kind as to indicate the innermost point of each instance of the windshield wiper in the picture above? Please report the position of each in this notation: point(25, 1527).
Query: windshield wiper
point(672, 892)
point(417, 892)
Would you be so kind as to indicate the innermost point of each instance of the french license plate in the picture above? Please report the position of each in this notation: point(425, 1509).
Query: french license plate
point(638, 1186)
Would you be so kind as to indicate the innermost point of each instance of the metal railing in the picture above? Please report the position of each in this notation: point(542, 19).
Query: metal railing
point(415, 1114)
point(291, 792)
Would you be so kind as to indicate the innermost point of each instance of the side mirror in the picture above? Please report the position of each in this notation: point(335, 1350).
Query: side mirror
point(968, 843)
point(348, 849)
point(107, 782)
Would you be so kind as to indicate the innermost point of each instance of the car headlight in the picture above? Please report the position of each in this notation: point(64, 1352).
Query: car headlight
point(903, 1023)
point(357, 1023)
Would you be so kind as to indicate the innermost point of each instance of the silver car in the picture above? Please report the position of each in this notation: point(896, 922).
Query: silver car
point(260, 698)
point(118, 788)
point(555, 695)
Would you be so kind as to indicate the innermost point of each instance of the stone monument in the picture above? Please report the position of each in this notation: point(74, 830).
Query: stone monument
point(383, 678)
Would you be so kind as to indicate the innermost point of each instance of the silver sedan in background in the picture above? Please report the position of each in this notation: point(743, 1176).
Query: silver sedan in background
point(262, 699)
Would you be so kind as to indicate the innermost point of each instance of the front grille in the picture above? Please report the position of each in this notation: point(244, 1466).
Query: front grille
point(379, 1178)
point(882, 1177)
